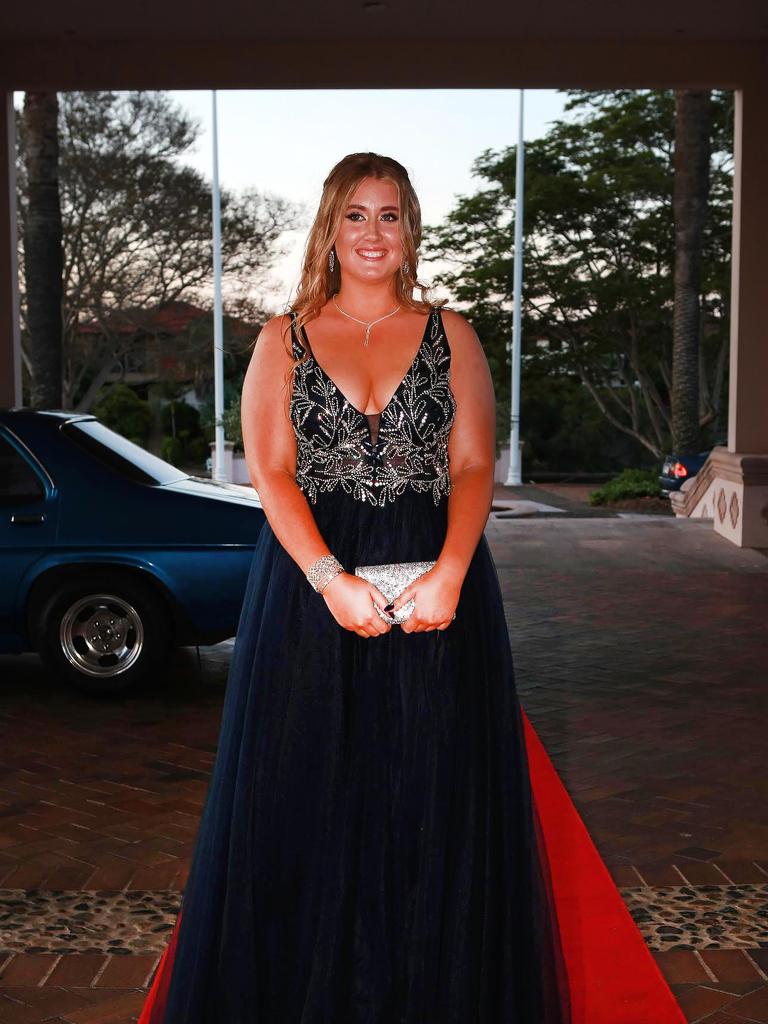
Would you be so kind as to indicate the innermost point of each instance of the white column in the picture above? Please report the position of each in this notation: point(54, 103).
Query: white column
point(739, 495)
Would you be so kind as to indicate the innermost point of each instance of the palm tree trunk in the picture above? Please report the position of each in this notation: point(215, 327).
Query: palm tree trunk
point(43, 260)
point(693, 121)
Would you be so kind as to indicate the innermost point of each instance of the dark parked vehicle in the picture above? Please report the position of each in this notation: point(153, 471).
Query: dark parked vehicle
point(112, 557)
point(679, 468)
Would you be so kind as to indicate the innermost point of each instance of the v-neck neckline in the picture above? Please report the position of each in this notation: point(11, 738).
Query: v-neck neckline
point(373, 415)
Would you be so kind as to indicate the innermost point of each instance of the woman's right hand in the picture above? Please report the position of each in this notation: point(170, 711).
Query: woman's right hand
point(350, 600)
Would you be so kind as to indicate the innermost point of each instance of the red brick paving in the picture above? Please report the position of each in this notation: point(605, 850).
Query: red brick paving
point(640, 651)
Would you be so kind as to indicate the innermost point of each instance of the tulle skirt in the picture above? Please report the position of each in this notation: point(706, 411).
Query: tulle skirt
point(369, 851)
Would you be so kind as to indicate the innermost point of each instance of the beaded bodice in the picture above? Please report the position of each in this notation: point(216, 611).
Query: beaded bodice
point(375, 458)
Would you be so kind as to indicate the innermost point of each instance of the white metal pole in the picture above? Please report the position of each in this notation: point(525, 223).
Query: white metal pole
point(514, 475)
point(219, 471)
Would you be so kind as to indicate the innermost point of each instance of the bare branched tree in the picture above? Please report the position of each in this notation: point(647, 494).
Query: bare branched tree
point(137, 227)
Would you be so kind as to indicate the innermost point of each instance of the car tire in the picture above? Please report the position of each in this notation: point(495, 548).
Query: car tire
point(103, 631)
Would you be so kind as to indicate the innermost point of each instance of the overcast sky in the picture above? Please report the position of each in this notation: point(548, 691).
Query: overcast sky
point(287, 141)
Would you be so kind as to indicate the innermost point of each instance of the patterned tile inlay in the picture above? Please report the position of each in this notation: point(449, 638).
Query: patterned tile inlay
point(45, 921)
point(57, 921)
point(721, 505)
point(733, 508)
point(700, 916)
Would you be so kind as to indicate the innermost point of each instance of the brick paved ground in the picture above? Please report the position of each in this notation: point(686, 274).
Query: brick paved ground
point(640, 649)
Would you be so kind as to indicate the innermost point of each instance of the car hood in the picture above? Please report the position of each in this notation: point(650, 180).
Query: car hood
point(204, 487)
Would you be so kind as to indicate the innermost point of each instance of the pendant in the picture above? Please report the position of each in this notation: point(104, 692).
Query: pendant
point(367, 333)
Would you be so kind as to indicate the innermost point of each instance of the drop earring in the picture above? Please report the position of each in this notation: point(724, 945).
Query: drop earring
point(406, 267)
point(331, 260)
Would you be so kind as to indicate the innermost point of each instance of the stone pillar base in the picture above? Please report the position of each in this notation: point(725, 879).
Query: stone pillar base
point(739, 495)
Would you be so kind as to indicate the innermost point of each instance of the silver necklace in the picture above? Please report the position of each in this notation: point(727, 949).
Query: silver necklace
point(365, 323)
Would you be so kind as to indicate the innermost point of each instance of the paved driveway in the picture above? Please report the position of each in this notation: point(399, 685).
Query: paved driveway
point(641, 654)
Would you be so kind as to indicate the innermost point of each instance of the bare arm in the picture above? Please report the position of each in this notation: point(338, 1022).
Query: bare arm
point(472, 457)
point(270, 454)
point(270, 448)
point(471, 446)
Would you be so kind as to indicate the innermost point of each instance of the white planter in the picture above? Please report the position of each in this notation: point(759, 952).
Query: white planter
point(239, 469)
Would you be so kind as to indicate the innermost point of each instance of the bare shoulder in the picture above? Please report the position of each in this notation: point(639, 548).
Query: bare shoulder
point(467, 352)
point(459, 332)
point(273, 344)
point(276, 331)
point(470, 372)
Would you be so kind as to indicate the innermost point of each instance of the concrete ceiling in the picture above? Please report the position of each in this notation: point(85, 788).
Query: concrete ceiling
point(380, 24)
point(165, 44)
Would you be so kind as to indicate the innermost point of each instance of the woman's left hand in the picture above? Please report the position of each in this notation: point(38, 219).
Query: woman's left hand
point(437, 594)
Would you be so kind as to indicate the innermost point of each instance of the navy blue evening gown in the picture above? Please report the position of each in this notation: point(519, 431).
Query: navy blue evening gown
point(368, 851)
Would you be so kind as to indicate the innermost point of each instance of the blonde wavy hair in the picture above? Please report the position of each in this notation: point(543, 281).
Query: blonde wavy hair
point(317, 283)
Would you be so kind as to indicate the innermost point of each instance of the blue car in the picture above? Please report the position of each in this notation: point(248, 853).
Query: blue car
point(676, 469)
point(111, 557)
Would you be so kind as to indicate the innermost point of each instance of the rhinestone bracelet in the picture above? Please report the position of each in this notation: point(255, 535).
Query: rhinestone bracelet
point(321, 572)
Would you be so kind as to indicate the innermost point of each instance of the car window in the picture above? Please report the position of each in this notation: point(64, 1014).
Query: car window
point(120, 454)
point(19, 483)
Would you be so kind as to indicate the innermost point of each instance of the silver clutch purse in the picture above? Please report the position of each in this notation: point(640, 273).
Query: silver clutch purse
point(392, 578)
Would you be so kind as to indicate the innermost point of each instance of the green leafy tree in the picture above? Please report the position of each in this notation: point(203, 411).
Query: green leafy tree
point(232, 424)
point(121, 409)
point(599, 258)
point(179, 416)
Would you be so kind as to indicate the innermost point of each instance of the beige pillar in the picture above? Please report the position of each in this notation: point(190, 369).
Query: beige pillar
point(10, 343)
point(739, 496)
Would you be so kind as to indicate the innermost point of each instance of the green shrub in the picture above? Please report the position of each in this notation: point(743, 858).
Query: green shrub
point(173, 450)
point(198, 450)
point(182, 416)
point(232, 426)
point(630, 483)
point(121, 409)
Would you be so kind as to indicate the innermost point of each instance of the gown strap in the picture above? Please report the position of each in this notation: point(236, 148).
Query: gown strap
point(436, 330)
point(298, 348)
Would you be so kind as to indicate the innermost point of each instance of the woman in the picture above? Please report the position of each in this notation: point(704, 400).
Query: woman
point(369, 852)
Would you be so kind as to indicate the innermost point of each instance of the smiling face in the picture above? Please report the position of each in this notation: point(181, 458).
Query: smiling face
point(368, 245)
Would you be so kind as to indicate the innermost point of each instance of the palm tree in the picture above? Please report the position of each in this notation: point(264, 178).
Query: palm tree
point(43, 259)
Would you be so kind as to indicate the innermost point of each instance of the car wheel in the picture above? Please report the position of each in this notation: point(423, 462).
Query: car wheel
point(103, 632)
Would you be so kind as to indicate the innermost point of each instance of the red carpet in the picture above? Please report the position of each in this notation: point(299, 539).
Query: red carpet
point(613, 976)
point(154, 1005)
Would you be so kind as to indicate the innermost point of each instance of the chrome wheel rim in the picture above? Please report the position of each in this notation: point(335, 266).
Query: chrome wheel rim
point(101, 635)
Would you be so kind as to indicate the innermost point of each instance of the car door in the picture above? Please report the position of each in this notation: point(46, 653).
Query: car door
point(28, 520)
